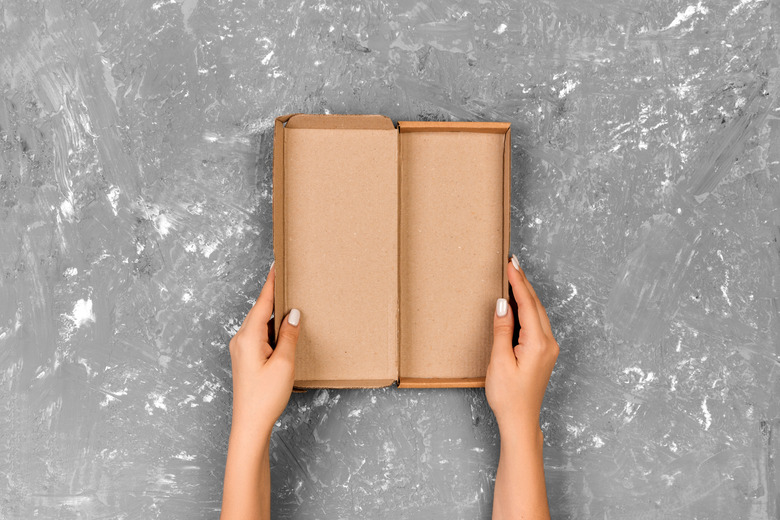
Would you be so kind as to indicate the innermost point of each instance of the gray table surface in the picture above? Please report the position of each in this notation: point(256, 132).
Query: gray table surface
point(135, 233)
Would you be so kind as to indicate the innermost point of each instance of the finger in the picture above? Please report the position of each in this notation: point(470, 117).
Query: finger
point(261, 311)
point(503, 329)
point(288, 337)
point(270, 331)
point(527, 314)
point(543, 318)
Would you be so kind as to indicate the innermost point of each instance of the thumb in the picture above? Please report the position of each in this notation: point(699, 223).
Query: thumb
point(288, 336)
point(503, 329)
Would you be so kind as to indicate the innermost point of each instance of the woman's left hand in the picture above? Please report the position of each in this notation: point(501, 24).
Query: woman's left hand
point(262, 377)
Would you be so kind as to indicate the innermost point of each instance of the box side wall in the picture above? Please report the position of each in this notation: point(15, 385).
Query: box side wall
point(452, 252)
point(340, 121)
point(341, 248)
point(278, 221)
point(343, 383)
point(425, 382)
point(453, 126)
point(507, 216)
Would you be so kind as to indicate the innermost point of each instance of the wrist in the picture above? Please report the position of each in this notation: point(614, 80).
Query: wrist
point(249, 435)
point(519, 427)
point(251, 421)
point(515, 441)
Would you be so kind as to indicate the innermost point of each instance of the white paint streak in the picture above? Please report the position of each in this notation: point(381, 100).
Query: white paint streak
point(575, 430)
point(707, 421)
point(163, 225)
point(107, 399)
point(669, 479)
point(66, 208)
point(568, 87)
point(724, 289)
point(183, 455)
point(630, 412)
point(684, 16)
point(571, 296)
point(158, 400)
point(209, 248)
point(113, 198)
point(741, 4)
point(82, 313)
point(643, 378)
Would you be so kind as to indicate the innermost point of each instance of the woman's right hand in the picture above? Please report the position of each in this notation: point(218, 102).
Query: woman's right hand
point(517, 375)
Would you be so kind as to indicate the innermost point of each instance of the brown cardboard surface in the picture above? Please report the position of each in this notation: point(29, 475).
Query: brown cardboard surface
point(452, 382)
point(452, 250)
point(335, 121)
point(453, 126)
point(278, 220)
point(303, 384)
point(392, 246)
point(338, 232)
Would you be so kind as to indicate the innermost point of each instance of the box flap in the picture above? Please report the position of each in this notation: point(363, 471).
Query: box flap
point(343, 383)
point(425, 382)
point(489, 127)
point(336, 236)
point(332, 121)
point(453, 247)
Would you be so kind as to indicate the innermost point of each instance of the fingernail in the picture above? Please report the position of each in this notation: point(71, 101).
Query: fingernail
point(272, 265)
point(294, 317)
point(501, 307)
point(515, 262)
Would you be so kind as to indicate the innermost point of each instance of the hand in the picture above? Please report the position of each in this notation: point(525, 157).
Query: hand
point(262, 377)
point(517, 376)
point(262, 382)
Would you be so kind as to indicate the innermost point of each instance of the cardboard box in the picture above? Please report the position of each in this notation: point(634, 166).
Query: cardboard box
point(392, 242)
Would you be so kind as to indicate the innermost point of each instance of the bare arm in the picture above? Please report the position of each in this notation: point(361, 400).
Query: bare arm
point(516, 380)
point(262, 382)
point(247, 491)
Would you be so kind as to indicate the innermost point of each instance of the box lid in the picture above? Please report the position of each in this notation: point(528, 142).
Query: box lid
point(336, 236)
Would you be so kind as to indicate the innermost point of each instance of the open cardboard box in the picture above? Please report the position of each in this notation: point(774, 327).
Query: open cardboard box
point(392, 242)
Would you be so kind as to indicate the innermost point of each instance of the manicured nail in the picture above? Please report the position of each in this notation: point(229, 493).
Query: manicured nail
point(294, 317)
point(501, 307)
point(515, 262)
point(272, 265)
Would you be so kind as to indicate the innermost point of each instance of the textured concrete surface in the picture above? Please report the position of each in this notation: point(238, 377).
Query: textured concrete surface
point(135, 232)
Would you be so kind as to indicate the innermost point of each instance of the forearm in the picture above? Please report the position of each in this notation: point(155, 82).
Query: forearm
point(520, 490)
point(247, 489)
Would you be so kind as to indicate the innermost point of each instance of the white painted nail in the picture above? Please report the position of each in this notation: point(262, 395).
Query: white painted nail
point(501, 307)
point(272, 264)
point(294, 317)
point(515, 262)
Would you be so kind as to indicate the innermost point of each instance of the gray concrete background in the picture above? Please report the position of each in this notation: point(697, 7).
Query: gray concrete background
point(135, 233)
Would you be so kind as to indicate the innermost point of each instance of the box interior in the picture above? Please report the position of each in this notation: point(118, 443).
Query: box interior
point(341, 248)
point(451, 251)
point(416, 219)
